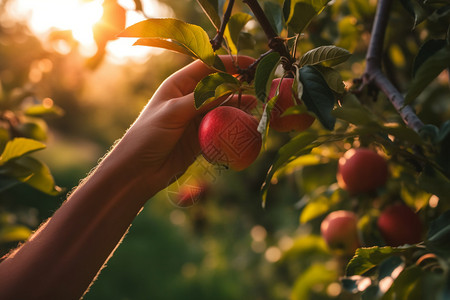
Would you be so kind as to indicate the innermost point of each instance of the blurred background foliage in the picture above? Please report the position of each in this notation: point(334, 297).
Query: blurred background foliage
point(226, 246)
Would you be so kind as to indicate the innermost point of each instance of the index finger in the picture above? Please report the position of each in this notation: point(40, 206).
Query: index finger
point(185, 80)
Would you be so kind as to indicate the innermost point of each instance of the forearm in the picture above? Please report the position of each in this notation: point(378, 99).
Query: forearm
point(64, 256)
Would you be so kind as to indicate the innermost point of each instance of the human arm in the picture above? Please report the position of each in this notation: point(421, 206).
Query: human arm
point(64, 256)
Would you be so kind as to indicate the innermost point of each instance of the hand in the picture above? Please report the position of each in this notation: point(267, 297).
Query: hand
point(165, 134)
point(73, 245)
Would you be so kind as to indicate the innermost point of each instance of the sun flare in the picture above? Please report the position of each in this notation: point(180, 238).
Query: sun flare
point(79, 17)
point(75, 15)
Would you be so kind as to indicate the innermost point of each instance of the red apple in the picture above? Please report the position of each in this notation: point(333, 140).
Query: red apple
point(361, 170)
point(247, 102)
point(229, 136)
point(340, 231)
point(294, 122)
point(399, 225)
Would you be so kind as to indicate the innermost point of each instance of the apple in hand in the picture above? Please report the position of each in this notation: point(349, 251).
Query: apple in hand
point(286, 99)
point(399, 225)
point(229, 136)
point(340, 231)
point(361, 170)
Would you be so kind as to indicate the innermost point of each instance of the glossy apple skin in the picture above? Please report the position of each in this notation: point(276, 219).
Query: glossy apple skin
point(229, 136)
point(340, 231)
point(399, 225)
point(295, 122)
point(247, 103)
point(362, 170)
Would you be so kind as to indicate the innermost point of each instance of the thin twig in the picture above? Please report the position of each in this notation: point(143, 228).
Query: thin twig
point(275, 42)
point(216, 42)
point(373, 73)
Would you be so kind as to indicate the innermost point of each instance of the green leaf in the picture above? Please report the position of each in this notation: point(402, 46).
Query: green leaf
point(178, 36)
point(43, 111)
point(300, 144)
point(302, 12)
point(7, 182)
point(367, 258)
point(327, 55)
point(307, 246)
point(274, 14)
point(295, 110)
point(349, 33)
point(362, 9)
point(286, 9)
point(314, 209)
point(403, 286)
point(317, 96)
point(211, 9)
point(353, 111)
point(390, 267)
point(19, 147)
point(444, 131)
point(427, 72)
point(41, 178)
point(33, 130)
point(333, 79)
point(166, 44)
point(264, 71)
point(263, 126)
point(234, 27)
point(427, 50)
point(14, 233)
point(214, 86)
point(402, 133)
point(438, 237)
point(434, 182)
point(429, 132)
point(315, 275)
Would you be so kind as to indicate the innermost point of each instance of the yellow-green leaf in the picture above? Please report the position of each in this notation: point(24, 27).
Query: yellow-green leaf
point(302, 12)
point(19, 147)
point(14, 233)
point(41, 178)
point(234, 27)
point(214, 86)
point(178, 36)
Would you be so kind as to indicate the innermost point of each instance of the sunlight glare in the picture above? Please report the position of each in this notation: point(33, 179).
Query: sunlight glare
point(79, 16)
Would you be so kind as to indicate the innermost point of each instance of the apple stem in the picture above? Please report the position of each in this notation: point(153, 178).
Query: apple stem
point(373, 74)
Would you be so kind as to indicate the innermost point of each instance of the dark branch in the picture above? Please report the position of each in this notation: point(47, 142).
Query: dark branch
point(216, 42)
point(275, 42)
point(248, 73)
point(373, 73)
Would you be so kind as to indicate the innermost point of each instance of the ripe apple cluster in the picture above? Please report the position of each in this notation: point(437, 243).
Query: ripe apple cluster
point(398, 225)
point(362, 171)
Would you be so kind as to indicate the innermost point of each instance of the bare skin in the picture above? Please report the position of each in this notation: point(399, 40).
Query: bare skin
point(64, 256)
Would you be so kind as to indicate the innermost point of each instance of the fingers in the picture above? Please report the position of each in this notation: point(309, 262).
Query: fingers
point(185, 80)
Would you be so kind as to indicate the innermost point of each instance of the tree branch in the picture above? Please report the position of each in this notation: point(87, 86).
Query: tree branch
point(216, 42)
point(276, 43)
point(373, 73)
